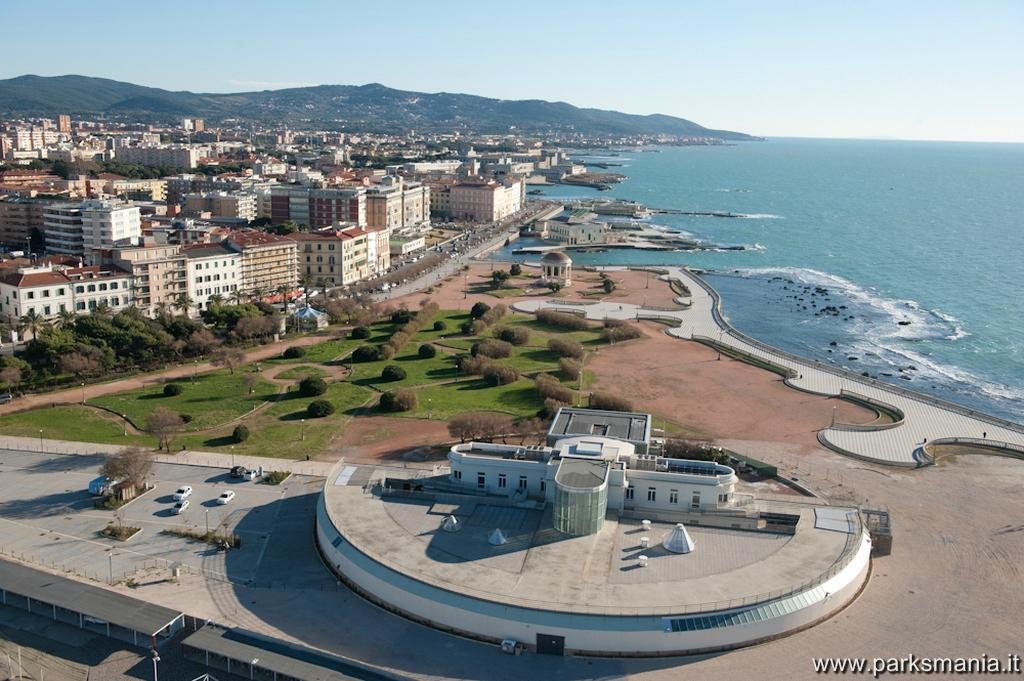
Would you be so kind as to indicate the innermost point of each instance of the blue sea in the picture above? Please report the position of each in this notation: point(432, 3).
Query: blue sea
point(930, 234)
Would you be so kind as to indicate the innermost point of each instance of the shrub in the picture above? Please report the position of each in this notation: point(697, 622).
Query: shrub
point(240, 433)
point(366, 353)
point(387, 351)
point(564, 320)
point(392, 372)
point(186, 418)
point(494, 314)
point(173, 390)
point(549, 387)
point(427, 351)
point(608, 285)
point(478, 327)
point(439, 325)
point(473, 366)
point(319, 408)
point(294, 352)
point(478, 310)
point(467, 327)
point(401, 316)
point(398, 400)
point(610, 402)
point(516, 335)
point(491, 348)
point(500, 374)
point(311, 386)
point(555, 286)
point(570, 368)
point(550, 408)
point(564, 347)
point(516, 269)
point(360, 332)
point(621, 332)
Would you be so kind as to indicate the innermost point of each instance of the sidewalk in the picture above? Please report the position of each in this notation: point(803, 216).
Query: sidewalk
point(187, 458)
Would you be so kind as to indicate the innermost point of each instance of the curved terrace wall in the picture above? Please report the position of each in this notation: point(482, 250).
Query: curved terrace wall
point(596, 634)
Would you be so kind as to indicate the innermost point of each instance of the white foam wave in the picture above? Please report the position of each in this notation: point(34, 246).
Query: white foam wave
point(917, 323)
point(758, 216)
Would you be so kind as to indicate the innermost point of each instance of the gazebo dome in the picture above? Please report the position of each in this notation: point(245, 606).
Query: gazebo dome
point(555, 258)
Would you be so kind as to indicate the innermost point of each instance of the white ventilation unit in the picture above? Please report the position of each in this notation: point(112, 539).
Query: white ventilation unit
point(497, 537)
point(451, 524)
point(678, 540)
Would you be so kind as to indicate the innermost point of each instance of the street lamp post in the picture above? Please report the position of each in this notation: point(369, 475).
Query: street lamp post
point(110, 566)
point(124, 419)
point(232, 456)
point(156, 658)
point(83, 392)
point(207, 520)
point(40, 439)
point(302, 429)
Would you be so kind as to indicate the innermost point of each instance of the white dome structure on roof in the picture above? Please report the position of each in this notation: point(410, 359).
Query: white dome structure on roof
point(451, 524)
point(556, 268)
point(497, 537)
point(678, 540)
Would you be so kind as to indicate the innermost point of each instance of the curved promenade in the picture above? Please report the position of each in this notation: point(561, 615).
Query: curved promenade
point(924, 417)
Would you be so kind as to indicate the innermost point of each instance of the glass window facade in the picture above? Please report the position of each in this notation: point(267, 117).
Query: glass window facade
point(579, 512)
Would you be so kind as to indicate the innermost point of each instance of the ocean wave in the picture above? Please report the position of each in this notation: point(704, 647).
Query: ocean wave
point(887, 318)
point(926, 368)
point(734, 191)
point(758, 216)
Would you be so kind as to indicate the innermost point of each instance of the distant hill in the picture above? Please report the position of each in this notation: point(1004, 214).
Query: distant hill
point(365, 107)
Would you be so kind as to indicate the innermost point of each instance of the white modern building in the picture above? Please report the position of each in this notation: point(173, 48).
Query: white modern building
point(109, 224)
point(48, 291)
point(591, 544)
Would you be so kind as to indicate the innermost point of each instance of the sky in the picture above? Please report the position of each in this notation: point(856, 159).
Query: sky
point(906, 69)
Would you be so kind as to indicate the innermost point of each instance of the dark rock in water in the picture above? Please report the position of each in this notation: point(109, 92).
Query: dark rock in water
point(852, 358)
point(885, 374)
point(903, 322)
point(842, 307)
point(830, 350)
point(833, 343)
point(905, 377)
point(864, 373)
point(912, 368)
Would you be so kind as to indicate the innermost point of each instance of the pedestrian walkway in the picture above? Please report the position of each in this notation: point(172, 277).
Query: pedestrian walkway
point(925, 418)
point(184, 457)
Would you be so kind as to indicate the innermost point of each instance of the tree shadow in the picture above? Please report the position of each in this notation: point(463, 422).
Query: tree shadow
point(65, 463)
point(219, 441)
point(59, 503)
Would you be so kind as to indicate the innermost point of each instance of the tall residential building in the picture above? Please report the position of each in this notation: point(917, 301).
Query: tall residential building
point(62, 229)
point(159, 275)
point(213, 270)
point(396, 204)
point(18, 218)
point(317, 208)
point(342, 256)
point(241, 205)
point(198, 124)
point(106, 224)
point(64, 123)
point(268, 261)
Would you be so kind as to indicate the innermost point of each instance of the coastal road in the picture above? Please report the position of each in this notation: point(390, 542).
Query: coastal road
point(900, 443)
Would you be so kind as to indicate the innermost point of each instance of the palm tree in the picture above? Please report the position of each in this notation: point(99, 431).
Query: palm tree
point(307, 283)
point(258, 293)
point(33, 322)
point(238, 297)
point(215, 299)
point(65, 318)
point(162, 309)
point(185, 303)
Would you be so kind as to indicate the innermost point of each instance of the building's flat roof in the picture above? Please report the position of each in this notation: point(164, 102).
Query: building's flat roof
point(595, 574)
point(109, 606)
point(582, 472)
point(627, 426)
point(284, 658)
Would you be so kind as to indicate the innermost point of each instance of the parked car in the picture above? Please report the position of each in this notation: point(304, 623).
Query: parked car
point(225, 497)
point(101, 486)
point(184, 492)
point(181, 506)
point(238, 471)
point(6, 397)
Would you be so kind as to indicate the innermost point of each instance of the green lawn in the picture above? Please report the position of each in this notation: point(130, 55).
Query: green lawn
point(302, 371)
point(72, 422)
point(215, 398)
point(443, 401)
point(418, 371)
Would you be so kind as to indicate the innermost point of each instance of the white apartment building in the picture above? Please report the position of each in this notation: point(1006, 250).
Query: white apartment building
point(48, 291)
point(213, 270)
point(107, 224)
point(172, 156)
point(241, 205)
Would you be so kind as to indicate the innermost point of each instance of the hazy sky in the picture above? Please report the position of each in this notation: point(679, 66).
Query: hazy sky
point(903, 68)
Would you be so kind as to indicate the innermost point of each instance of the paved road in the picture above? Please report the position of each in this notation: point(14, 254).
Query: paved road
point(925, 419)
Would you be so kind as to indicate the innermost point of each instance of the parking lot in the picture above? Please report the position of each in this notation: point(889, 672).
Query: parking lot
point(47, 517)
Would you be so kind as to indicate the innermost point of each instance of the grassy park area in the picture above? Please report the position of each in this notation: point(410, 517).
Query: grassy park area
point(265, 396)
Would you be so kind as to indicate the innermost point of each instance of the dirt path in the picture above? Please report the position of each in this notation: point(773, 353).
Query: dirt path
point(75, 395)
